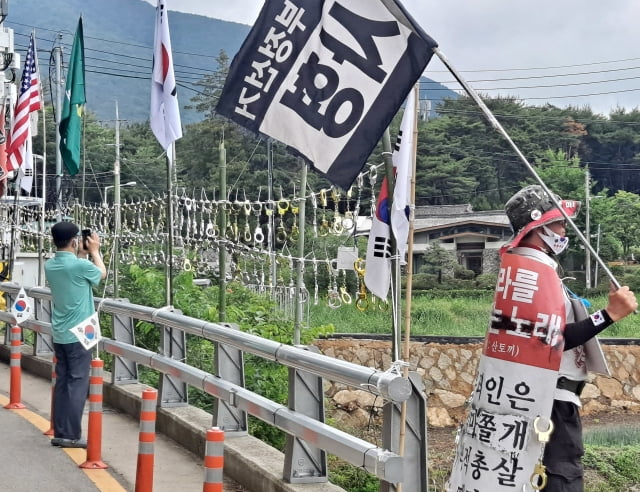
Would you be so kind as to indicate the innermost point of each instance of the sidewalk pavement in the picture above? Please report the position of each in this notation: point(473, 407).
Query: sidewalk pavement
point(29, 462)
point(179, 446)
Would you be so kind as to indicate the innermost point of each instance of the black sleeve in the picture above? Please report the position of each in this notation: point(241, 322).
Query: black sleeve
point(581, 331)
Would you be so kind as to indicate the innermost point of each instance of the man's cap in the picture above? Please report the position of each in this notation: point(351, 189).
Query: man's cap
point(63, 231)
point(532, 207)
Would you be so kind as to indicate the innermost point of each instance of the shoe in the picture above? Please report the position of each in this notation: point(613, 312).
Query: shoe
point(69, 443)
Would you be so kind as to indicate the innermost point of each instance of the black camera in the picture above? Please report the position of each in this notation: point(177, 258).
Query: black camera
point(85, 234)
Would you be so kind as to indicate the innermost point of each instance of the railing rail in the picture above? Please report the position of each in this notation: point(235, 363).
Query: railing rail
point(384, 464)
point(389, 385)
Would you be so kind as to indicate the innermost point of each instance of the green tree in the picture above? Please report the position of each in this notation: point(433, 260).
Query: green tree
point(612, 144)
point(562, 174)
point(210, 88)
point(439, 261)
point(621, 219)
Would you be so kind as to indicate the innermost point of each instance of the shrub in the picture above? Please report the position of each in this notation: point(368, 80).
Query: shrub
point(422, 281)
point(254, 313)
point(462, 273)
point(486, 281)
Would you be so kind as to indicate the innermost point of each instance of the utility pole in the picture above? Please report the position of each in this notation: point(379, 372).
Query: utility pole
point(116, 208)
point(302, 202)
point(270, 210)
point(587, 260)
point(595, 273)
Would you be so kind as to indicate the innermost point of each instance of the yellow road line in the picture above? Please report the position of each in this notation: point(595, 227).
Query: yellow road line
point(100, 477)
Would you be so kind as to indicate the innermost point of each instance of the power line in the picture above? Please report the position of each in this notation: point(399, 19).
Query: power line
point(130, 60)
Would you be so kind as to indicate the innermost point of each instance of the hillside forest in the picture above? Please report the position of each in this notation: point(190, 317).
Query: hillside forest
point(460, 159)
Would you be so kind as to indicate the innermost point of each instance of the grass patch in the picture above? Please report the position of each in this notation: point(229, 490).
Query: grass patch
point(350, 477)
point(438, 316)
point(612, 469)
point(442, 316)
point(612, 436)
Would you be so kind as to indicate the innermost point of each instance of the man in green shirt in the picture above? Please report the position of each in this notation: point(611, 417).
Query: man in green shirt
point(71, 276)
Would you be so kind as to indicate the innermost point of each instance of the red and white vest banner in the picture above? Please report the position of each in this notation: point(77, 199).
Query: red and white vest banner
point(497, 447)
point(326, 77)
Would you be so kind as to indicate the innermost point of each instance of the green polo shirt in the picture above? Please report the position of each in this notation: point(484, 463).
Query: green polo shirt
point(71, 280)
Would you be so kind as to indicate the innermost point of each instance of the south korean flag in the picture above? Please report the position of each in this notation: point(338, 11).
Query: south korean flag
point(88, 331)
point(377, 276)
point(22, 308)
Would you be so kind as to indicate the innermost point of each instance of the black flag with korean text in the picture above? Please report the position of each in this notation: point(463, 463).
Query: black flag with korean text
point(326, 77)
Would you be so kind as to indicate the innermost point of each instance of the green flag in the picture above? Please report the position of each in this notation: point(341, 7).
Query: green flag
point(72, 110)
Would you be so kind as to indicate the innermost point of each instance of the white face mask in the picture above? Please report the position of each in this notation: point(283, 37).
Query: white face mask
point(555, 241)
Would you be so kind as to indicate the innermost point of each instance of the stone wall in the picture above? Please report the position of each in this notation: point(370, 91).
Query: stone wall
point(448, 371)
point(490, 261)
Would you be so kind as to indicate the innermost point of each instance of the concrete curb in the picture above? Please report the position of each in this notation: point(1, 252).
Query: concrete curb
point(247, 460)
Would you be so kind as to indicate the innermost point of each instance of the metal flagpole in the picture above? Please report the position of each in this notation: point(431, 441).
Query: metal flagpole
point(497, 126)
point(58, 108)
point(222, 227)
point(409, 287)
point(395, 265)
point(44, 199)
point(171, 155)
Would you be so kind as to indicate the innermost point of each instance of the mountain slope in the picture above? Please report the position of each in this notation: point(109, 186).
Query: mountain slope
point(118, 49)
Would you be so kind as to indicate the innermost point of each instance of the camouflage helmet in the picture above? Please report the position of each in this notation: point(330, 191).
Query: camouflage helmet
point(532, 207)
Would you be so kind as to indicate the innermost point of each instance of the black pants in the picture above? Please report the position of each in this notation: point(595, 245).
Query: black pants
point(71, 390)
point(563, 453)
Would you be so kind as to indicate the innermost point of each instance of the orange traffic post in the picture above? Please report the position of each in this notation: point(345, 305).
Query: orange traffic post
point(94, 435)
point(54, 377)
point(146, 440)
point(15, 388)
point(213, 460)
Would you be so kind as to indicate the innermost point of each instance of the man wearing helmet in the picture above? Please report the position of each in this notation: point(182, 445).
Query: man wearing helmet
point(523, 429)
point(539, 234)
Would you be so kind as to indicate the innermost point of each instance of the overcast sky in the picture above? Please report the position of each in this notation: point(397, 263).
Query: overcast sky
point(547, 50)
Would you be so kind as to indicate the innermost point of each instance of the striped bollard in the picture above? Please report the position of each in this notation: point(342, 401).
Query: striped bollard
point(213, 460)
point(15, 357)
point(146, 440)
point(94, 440)
point(54, 378)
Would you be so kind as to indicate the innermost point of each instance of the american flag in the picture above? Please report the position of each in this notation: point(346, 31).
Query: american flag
point(29, 100)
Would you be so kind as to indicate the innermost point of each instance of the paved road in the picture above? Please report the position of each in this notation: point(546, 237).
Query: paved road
point(28, 462)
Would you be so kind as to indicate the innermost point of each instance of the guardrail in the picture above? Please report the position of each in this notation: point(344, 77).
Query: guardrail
point(305, 426)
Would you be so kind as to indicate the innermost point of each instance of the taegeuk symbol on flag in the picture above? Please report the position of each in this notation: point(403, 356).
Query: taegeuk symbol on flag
point(22, 308)
point(88, 331)
point(165, 110)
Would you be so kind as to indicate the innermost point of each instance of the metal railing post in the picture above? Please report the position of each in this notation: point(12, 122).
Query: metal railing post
point(416, 471)
point(304, 462)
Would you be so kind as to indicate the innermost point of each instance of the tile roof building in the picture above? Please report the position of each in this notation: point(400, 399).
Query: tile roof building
point(474, 237)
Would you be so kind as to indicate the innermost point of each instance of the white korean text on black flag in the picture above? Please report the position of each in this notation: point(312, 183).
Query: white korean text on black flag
point(326, 78)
